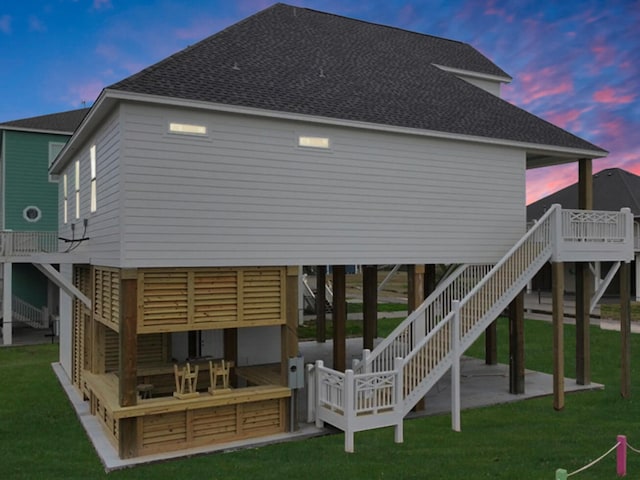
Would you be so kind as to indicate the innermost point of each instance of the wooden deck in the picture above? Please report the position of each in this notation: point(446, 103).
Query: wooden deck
point(166, 423)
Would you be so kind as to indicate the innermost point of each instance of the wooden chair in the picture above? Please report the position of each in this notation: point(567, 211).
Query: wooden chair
point(186, 381)
point(219, 371)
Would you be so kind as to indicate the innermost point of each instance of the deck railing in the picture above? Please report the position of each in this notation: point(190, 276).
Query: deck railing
point(431, 340)
point(15, 244)
point(355, 402)
point(636, 236)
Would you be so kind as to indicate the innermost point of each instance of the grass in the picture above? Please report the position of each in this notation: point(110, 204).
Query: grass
point(612, 310)
point(307, 331)
point(41, 438)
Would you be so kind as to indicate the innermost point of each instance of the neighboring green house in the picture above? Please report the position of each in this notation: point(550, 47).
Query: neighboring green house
point(29, 203)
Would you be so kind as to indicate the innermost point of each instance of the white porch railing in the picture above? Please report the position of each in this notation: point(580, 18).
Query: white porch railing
point(356, 402)
point(452, 326)
point(636, 236)
point(26, 243)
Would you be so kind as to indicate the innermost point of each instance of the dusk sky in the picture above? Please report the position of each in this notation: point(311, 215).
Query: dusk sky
point(573, 62)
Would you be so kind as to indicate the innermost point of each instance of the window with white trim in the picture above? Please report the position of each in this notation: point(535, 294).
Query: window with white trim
point(32, 214)
point(77, 189)
point(94, 203)
point(65, 199)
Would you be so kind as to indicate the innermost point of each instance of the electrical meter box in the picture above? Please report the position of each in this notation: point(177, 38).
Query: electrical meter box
point(296, 372)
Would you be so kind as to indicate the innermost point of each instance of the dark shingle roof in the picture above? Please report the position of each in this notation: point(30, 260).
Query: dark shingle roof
point(613, 189)
point(301, 61)
point(63, 122)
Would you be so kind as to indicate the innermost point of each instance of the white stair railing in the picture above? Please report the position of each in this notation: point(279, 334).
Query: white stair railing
point(431, 339)
point(24, 312)
point(428, 361)
point(409, 332)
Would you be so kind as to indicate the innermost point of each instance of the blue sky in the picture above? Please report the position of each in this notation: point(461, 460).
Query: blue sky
point(574, 62)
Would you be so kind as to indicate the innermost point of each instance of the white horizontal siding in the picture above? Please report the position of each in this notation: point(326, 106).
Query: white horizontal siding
point(104, 225)
point(247, 195)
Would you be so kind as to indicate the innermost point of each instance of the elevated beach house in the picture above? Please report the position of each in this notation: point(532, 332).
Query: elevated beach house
point(194, 190)
point(29, 216)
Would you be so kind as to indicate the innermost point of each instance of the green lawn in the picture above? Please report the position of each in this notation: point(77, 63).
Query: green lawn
point(41, 438)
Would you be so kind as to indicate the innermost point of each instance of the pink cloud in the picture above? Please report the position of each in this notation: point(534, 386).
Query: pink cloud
point(563, 119)
point(5, 24)
point(84, 92)
point(500, 12)
point(545, 181)
point(544, 83)
point(200, 28)
point(604, 53)
point(609, 95)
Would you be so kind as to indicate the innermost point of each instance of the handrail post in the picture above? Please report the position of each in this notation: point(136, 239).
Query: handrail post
point(399, 399)
point(629, 234)
point(349, 409)
point(318, 392)
point(556, 231)
point(455, 366)
point(311, 392)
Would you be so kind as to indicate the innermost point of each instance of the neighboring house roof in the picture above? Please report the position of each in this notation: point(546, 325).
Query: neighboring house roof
point(63, 122)
point(302, 61)
point(613, 189)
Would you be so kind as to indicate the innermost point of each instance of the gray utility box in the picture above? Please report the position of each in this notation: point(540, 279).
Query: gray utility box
point(296, 372)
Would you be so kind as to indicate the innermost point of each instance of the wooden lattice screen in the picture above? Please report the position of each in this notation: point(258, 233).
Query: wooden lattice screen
point(106, 299)
point(207, 298)
point(82, 281)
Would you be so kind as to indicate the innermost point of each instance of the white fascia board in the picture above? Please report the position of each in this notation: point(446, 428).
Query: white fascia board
point(34, 130)
point(83, 130)
point(115, 95)
point(478, 75)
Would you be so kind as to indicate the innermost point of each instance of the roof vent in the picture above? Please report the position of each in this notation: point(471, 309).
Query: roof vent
point(321, 73)
point(235, 66)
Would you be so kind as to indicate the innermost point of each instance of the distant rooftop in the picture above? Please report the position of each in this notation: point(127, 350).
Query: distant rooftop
point(63, 122)
point(613, 189)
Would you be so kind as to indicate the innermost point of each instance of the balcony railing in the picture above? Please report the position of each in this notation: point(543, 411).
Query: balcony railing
point(19, 244)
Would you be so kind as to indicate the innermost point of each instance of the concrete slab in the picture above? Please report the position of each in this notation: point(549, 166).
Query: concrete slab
point(481, 385)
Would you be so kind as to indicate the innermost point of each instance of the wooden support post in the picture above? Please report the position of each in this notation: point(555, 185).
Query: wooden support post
point(128, 365)
point(583, 282)
point(557, 280)
point(230, 347)
point(128, 437)
point(369, 305)
point(339, 318)
point(583, 307)
point(415, 286)
point(516, 344)
point(128, 338)
point(491, 344)
point(429, 279)
point(289, 331)
point(193, 340)
point(625, 330)
point(321, 303)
